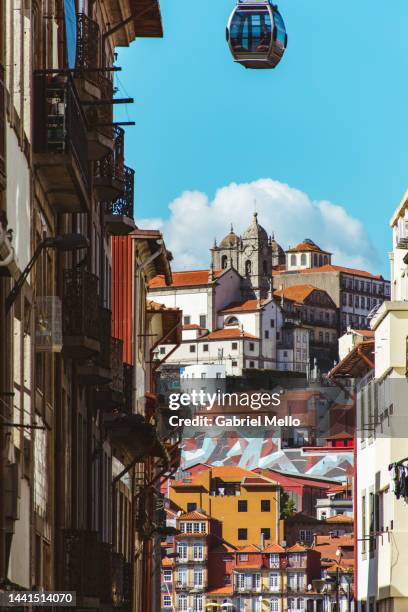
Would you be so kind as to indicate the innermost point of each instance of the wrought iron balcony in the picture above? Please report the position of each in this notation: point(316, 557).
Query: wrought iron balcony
point(60, 143)
point(81, 314)
point(109, 178)
point(119, 213)
point(128, 387)
point(81, 562)
point(97, 370)
point(112, 395)
point(133, 438)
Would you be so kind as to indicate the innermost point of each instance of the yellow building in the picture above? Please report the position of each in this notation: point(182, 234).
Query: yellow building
point(246, 504)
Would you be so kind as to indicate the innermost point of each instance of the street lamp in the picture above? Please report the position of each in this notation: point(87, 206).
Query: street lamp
point(66, 242)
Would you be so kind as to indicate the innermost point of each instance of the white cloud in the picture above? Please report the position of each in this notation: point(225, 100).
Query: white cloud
point(195, 220)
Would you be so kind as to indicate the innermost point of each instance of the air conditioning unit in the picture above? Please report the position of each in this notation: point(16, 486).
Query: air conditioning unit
point(48, 324)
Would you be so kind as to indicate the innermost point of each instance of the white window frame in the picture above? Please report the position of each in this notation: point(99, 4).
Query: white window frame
point(166, 572)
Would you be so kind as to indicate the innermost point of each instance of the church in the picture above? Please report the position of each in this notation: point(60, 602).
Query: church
point(230, 314)
point(253, 255)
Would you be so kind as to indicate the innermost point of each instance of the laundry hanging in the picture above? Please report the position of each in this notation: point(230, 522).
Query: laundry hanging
point(70, 31)
point(399, 479)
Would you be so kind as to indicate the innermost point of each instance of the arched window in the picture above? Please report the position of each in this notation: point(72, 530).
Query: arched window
point(303, 259)
point(315, 260)
point(293, 260)
point(224, 262)
point(232, 321)
point(248, 267)
point(320, 260)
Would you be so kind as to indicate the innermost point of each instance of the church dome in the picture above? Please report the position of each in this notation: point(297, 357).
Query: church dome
point(278, 254)
point(230, 240)
point(255, 231)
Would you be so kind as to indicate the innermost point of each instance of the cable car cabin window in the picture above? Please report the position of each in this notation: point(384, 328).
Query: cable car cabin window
point(280, 31)
point(251, 31)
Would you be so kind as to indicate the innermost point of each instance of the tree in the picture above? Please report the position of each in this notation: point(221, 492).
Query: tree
point(287, 505)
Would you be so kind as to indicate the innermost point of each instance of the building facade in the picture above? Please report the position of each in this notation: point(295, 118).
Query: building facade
point(78, 443)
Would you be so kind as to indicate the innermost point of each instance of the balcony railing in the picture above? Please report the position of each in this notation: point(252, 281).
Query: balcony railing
point(128, 387)
point(116, 365)
point(88, 49)
point(110, 171)
point(81, 313)
point(119, 213)
point(60, 143)
point(81, 562)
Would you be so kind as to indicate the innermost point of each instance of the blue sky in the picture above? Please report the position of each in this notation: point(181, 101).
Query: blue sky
point(331, 121)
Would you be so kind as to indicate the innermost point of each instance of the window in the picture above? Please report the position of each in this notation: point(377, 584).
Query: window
point(274, 560)
point(182, 551)
point(234, 346)
point(350, 300)
point(305, 536)
point(224, 262)
point(256, 581)
point(272, 323)
point(187, 320)
point(182, 603)
point(300, 603)
point(203, 375)
point(242, 505)
point(252, 364)
point(198, 552)
point(218, 375)
point(327, 337)
point(242, 534)
point(203, 321)
point(182, 577)
point(234, 364)
point(248, 268)
point(274, 605)
point(162, 350)
point(198, 577)
point(198, 603)
point(265, 505)
point(344, 299)
point(357, 301)
point(266, 533)
point(167, 575)
point(191, 506)
point(243, 557)
point(274, 581)
point(303, 259)
point(205, 348)
point(192, 348)
point(167, 602)
point(251, 346)
point(293, 260)
point(266, 334)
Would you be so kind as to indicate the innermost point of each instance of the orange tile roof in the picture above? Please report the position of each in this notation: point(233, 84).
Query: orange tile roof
point(246, 306)
point(296, 293)
point(227, 333)
point(225, 590)
point(296, 548)
point(155, 306)
point(193, 516)
point(274, 548)
point(306, 246)
point(188, 278)
point(166, 562)
point(193, 326)
point(333, 268)
point(340, 518)
point(250, 548)
point(369, 333)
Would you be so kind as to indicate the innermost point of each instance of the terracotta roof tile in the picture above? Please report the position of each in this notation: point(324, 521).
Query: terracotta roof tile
point(296, 548)
point(151, 305)
point(296, 293)
point(250, 548)
point(225, 590)
point(275, 548)
point(340, 518)
point(307, 247)
point(368, 333)
point(333, 268)
point(190, 278)
point(227, 333)
point(193, 516)
point(246, 306)
point(192, 326)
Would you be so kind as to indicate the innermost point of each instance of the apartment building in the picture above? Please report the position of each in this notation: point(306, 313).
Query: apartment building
point(79, 444)
point(378, 369)
point(354, 292)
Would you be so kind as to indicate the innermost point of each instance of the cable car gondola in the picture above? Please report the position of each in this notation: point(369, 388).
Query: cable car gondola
point(256, 34)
